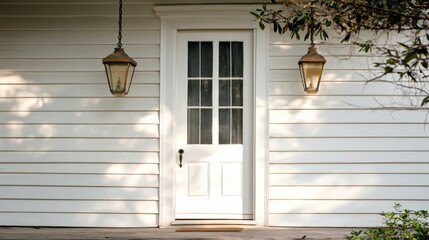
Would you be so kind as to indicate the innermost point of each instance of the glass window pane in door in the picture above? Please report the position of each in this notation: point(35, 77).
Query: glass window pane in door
point(193, 93)
point(224, 59)
point(193, 126)
point(237, 126)
point(206, 126)
point(193, 59)
point(237, 93)
point(237, 59)
point(206, 93)
point(224, 126)
point(224, 93)
point(206, 59)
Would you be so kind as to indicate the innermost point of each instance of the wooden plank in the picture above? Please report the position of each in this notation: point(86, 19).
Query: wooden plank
point(349, 144)
point(59, 65)
point(348, 130)
point(343, 63)
point(333, 49)
point(65, 206)
point(75, 90)
point(61, 180)
point(69, 78)
point(209, 229)
point(47, 145)
point(78, 23)
point(325, 220)
point(80, 168)
point(69, 36)
point(84, 2)
point(357, 116)
point(79, 220)
point(110, 103)
point(79, 131)
point(349, 157)
point(329, 75)
point(350, 193)
point(351, 168)
point(335, 38)
point(76, 157)
point(79, 117)
point(80, 51)
point(338, 88)
point(78, 193)
point(74, 9)
point(349, 180)
point(340, 206)
point(342, 102)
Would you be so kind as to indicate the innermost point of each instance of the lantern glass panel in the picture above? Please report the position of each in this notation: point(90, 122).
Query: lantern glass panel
point(119, 76)
point(311, 73)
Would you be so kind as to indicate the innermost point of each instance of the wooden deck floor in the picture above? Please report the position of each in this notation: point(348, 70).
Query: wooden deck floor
point(18, 233)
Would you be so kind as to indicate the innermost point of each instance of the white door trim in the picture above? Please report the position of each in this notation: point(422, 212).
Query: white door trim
point(210, 17)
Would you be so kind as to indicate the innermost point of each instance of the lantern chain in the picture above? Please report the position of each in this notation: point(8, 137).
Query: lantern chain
point(120, 25)
point(312, 26)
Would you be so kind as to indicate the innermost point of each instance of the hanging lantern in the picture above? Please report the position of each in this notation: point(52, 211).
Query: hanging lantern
point(119, 66)
point(311, 64)
point(119, 71)
point(311, 68)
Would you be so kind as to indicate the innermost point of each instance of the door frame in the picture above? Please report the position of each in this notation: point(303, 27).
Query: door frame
point(211, 17)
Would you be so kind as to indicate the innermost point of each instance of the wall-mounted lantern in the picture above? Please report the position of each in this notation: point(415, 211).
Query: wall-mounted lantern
point(311, 65)
point(119, 66)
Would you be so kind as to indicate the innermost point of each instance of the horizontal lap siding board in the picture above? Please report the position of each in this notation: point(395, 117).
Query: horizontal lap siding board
point(337, 89)
point(41, 79)
point(74, 91)
point(71, 154)
point(344, 155)
point(60, 219)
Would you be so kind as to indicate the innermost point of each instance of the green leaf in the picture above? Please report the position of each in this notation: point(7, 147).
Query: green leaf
point(409, 57)
point(404, 45)
point(255, 15)
point(261, 25)
point(388, 69)
point(425, 101)
point(425, 64)
point(392, 61)
point(347, 37)
point(358, 18)
point(306, 36)
point(325, 35)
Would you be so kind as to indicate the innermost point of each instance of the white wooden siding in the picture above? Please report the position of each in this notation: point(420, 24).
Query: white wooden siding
point(344, 155)
point(70, 153)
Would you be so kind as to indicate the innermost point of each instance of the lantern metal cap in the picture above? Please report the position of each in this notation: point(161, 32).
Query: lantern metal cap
point(119, 56)
point(312, 56)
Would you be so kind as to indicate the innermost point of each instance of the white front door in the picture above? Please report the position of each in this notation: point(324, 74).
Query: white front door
point(214, 126)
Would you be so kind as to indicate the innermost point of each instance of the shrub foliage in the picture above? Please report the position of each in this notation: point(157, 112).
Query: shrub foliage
point(399, 224)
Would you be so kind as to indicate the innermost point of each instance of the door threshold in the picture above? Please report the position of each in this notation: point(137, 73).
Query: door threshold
point(214, 222)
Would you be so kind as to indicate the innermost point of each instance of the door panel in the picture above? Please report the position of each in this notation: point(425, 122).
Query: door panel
point(214, 125)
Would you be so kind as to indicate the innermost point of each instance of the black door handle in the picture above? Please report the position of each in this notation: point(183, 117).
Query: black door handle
point(181, 152)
